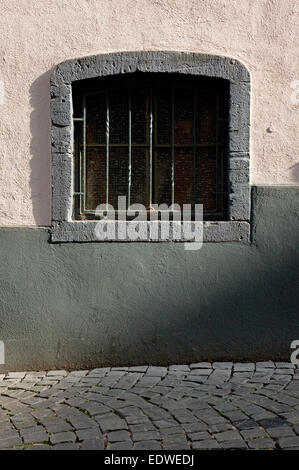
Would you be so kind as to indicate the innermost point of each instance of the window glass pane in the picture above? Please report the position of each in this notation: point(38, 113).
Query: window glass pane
point(139, 113)
point(183, 176)
point(162, 177)
point(96, 119)
point(206, 160)
point(162, 113)
point(140, 182)
point(118, 117)
point(183, 117)
point(206, 118)
point(118, 174)
point(95, 177)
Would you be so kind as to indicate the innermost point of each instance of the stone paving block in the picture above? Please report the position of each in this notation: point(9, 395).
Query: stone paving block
point(142, 369)
point(66, 446)
point(235, 444)
point(244, 367)
point(292, 417)
point(235, 416)
point(179, 367)
point(207, 444)
point(118, 436)
point(61, 437)
point(78, 373)
point(281, 431)
point(10, 442)
point(199, 372)
point(227, 436)
point(148, 426)
point(92, 444)
point(144, 436)
point(166, 432)
point(23, 421)
point(16, 375)
point(111, 422)
point(179, 445)
point(248, 424)
point(163, 424)
point(284, 365)
point(5, 427)
point(273, 422)
point(201, 365)
point(218, 376)
point(81, 422)
point(130, 411)
point(263, 415)
point(261, 443)
point(210, 419)
point(136, 419)
point(147, 445)
point(194, 427)
point(283, 372)
point(59, 373)
point(90, 380)
point(55, 425)
point(198, 436)
point(265, 364)
point(125, 445)
point(184, 416)
point(255, 432)
point(35, 434)
point(214, 428)
point(95, 408)
point(38, 447)
point(43, 413)
point(88, 434)
point(148, 381)
point(222, 365)
point(156, 371)
point(8, 434)
point(288, 442)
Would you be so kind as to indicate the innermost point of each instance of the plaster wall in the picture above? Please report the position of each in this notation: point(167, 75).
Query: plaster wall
point(36, 35)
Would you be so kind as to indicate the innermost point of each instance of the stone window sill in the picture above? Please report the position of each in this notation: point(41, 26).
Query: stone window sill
point(84, 231)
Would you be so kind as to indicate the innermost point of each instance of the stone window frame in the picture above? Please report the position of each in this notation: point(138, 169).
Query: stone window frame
point(237, 227)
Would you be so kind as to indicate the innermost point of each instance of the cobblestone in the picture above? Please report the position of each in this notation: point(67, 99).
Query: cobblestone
point(199, 406)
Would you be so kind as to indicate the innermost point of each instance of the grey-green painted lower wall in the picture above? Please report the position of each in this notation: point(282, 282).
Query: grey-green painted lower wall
point(82, 305)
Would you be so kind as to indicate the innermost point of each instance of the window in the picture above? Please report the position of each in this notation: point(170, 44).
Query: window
point(155, 140)
point(156, 127)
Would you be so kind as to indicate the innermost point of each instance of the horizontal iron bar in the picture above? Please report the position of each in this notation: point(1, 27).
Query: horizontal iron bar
point(93, 145)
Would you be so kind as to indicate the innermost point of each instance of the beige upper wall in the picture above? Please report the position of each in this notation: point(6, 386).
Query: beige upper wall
point(35, 35)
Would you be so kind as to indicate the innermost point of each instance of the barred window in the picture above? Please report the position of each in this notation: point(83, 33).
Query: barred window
point(154, 139)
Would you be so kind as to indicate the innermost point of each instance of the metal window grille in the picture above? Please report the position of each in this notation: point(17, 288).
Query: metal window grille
point(154, 143)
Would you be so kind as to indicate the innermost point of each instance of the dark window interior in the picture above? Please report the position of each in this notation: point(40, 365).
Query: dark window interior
point(154, 138)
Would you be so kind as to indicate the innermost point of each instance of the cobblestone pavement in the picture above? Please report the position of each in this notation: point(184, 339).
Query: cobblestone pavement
point(198, 406)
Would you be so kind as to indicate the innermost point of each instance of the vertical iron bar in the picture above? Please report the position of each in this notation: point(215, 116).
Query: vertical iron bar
point(195, 182)
point(107, 149)
point(151, 149)
point(172, 145)
point(83, 162)
point(217, 150)
point(130, 150)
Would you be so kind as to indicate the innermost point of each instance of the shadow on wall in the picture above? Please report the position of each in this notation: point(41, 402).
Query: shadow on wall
point(295, 172)
point(113, 304)
point(40, 148)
